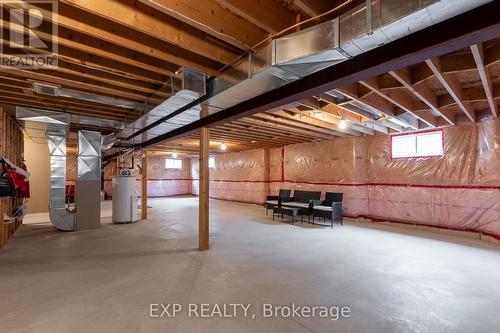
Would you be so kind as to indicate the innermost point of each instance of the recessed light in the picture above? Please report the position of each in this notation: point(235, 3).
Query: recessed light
point(223, 146)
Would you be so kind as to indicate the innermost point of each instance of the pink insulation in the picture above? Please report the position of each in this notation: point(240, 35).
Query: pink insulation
point(166, 182)
point(335, 161)
point(161, 182)
point(238, 176)
point(487, 167)
point(276, 161)
point(456, 167)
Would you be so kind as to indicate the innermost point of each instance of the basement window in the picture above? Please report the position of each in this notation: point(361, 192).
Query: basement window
point(211, 162)
point(424, 144)
point(173, 163)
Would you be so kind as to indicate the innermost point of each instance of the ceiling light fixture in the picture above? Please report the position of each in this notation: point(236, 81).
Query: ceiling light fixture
point(343, 124)
point(223, 146)
point(174, 155)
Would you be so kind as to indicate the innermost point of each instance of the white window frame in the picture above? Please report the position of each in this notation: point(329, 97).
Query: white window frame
point(175, 163)
point(417, 154)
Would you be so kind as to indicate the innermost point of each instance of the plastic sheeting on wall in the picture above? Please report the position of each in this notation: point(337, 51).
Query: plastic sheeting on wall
point(455, 167)
point(460, 190)
point(246, 166)
point(487, 169)
point(158, 188)
point(239, 176)
point(338, 161)
point(161, 182)
point(276, 161)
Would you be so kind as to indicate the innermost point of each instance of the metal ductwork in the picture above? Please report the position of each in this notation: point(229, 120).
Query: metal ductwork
point(361, 29)
point(99, 122)
point(292, 57)
point(53, 128)
point(43, 88)
point(88, 181)
point(188, 86)
point(60, 216)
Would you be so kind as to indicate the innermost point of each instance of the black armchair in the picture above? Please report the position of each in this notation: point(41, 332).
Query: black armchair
point(276, 200)
point(330, 208)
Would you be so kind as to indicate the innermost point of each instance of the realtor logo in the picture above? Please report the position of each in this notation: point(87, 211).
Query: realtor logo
point(29, 33)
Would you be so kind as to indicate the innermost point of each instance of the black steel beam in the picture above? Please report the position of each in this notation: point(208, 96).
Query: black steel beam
point(475, 26)
point(167, 117)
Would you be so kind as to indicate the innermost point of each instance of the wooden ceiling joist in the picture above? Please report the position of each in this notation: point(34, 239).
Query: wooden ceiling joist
point(256, 136)
point(298, 125)
point(288, 126)
point(452, 86)
point(77, 84)
point(109, 66)
point(228, 138)
point(318, 119)
point(67, 70)
point(400, 100)
point(376, 103)
point(112, 32)
point(314, 7)
point(56, 107)
point(357, 123)
point(220, 23)
point(98, 109)
point(263, 131)
point(158, 25)
point(422, 93)
point(270, 128)
point(96, 46)
point(484, 73)
point(267, 15)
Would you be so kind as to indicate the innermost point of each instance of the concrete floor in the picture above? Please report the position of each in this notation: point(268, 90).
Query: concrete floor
point(392, 279)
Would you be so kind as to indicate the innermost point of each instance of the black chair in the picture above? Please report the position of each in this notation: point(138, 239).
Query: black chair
point(276, 200)
point(330, 208)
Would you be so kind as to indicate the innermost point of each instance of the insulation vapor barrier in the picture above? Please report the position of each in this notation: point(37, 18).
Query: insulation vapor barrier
point(460, 190)
point(236, 177)
point(162, 182)
point(166, 182)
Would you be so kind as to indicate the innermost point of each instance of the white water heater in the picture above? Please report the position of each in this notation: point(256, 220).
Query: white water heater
point(124, 199)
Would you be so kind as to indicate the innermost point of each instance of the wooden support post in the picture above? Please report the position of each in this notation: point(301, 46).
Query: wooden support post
point(144, 186)
point(204, 190)
point(117, 166)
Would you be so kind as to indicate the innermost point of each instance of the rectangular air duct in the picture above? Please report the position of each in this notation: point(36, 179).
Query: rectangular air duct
point(292, 57)
point(53, 127)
